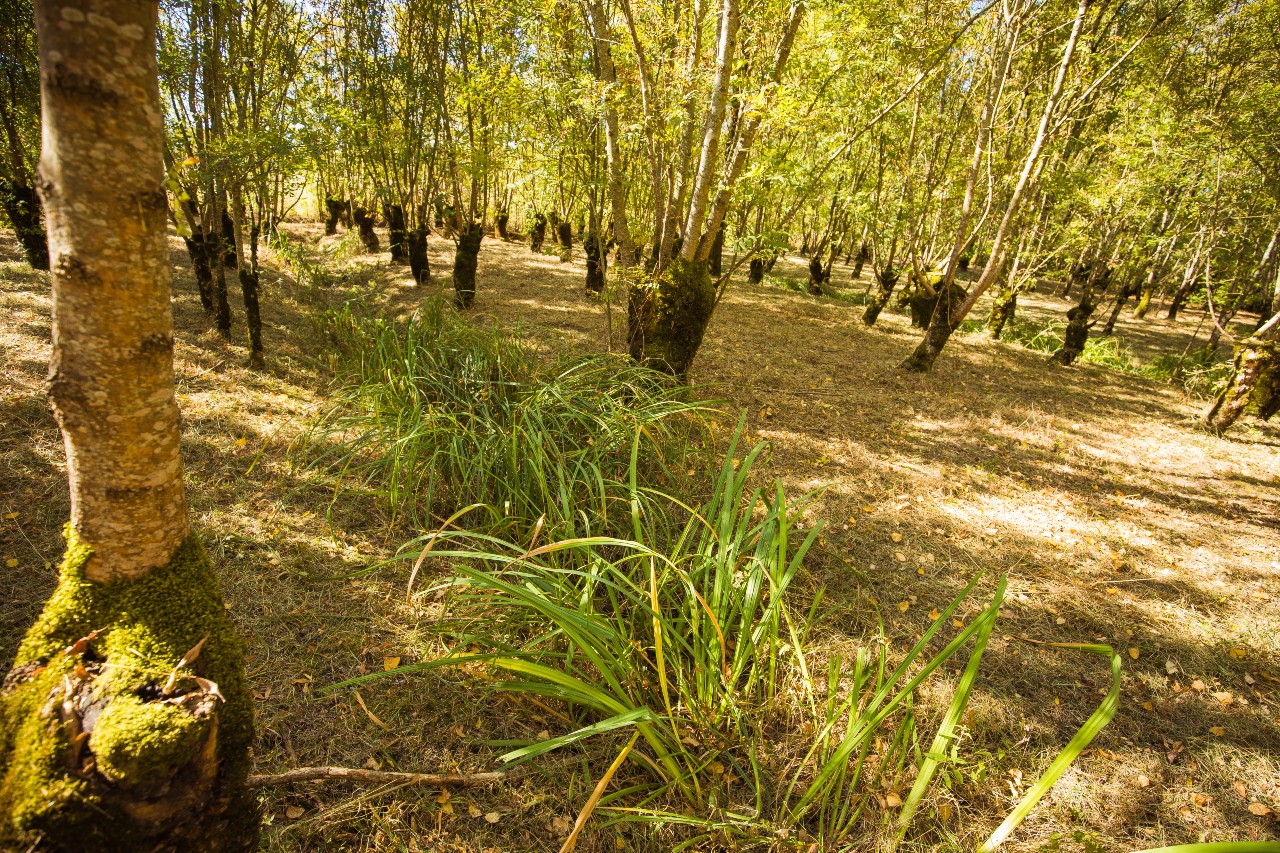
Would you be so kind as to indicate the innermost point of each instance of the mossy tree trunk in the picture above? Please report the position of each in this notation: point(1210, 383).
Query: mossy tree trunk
point(888, 280)
point(418, 263)
point(946, 318)
point(667, 319)
point(396, 227)
point(364, 221)
point(1076, 334)
point(564, 236)
point(500, 221)
point(465, 260)
point(214, 249)
point(337, 209)
point(755, 270)
point(538, 232)
point(716, 258)
point(125, 722)
point(230, 251)
point(22, 207)
point(860, 260)
point(597, 258)
point(1254, 383)
point(1003, 308)
point(198, 249)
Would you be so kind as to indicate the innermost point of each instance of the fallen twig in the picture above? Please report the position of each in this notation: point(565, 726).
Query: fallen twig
point(316, 774)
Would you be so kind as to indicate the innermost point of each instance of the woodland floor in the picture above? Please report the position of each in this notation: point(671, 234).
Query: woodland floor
point(1116, 519)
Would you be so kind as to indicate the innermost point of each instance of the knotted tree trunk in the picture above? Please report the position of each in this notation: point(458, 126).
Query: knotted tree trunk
point(364, 221)
point(597, 259)
point(755, 270)
point(125, 721)
point(338, 210)
point(465, 261)
point(418, 264)
point(564, 236)
point(1254, 384)
point(667, 319)
point(716, 258)
point(22, 207)
point(888, 280)
point(538, 232)
point(1003, 308)
point(500, 223)
point(396, 233)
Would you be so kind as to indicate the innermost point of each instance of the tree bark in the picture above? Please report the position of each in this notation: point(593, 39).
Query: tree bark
point(394, 214)
point(338, 210)
point(1254, 382)
point(22, 207)
point(418, 262)
point(364, 222)
point(98, 752)
point(465, 260)
point(597, 260)
point(538, 232)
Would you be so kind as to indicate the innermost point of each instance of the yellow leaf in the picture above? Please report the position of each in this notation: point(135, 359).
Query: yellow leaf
point(12, 562)
point(944, 812)
point(867, 509)
point(1217, 730)
point(444, 796)
point(294, 812)
point(390, 663)
point(957, 623)
point(899, 556)
point(1238, 654)
point(1147, 706)
point(896, 537)
point(892, 800)
point(241, 441)
point(1134, 652)
point(474, 810)
point(904, 606)
point(920, 570)
point(492, 817)
point(1259, 809)
point(933, 614)
point(10, 516)
point(447, 808)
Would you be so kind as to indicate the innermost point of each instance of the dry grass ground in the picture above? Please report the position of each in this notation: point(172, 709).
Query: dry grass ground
point(1115, 518)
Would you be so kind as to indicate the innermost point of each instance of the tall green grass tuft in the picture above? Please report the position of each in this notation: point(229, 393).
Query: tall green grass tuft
point(686, 633)
point(436, 414)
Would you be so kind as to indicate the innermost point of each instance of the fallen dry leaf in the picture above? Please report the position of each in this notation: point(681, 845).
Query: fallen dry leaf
point(1143, 780)
point(390, 663)
point(294, 812)
point(892, 800)
point(1134, 652)
point(896, 536)
point(1217, 730)
point(492, 817)
point(1260, 809)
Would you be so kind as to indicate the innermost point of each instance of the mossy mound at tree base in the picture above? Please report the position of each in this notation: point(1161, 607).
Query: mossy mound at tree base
point(95, 752)
point(669, 318)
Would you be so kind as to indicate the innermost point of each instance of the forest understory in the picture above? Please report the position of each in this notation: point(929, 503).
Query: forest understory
point(1114, 515)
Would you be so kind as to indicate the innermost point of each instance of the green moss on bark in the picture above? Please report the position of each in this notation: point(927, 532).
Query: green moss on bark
point(672, 316)
point(146, 626)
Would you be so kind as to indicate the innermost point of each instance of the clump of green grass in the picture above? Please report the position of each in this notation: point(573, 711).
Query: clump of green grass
point(437, 414)
point(686, 635)
point(1199, 373)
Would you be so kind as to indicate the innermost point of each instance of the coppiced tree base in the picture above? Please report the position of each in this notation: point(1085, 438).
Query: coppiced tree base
point(1254, 386)
point(666, 320)
point(102, 746)
point(22, 207)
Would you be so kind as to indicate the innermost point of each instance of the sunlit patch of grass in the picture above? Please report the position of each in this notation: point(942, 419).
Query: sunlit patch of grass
point(438, 414)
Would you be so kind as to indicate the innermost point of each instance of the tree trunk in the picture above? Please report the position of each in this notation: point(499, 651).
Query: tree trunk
point(1002, 311)
point(418, 263)
point(755, 270)
point(230, 251)
point(465, 261)
point(716, 258)
point(394, 214)
point(1254, 384)
point(864, 255)
point(214, 248)
point(538, 232)
point(597, 259)
point(364, 221)
point(337, 211)
point(666, 320)
point(564, 236)
point(99, 750)
point(888, 279)
point(198, 249)
point(22, 206)
point(249, 289)
point(1076, 335)
point(500, 224)
point(1121, 298)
